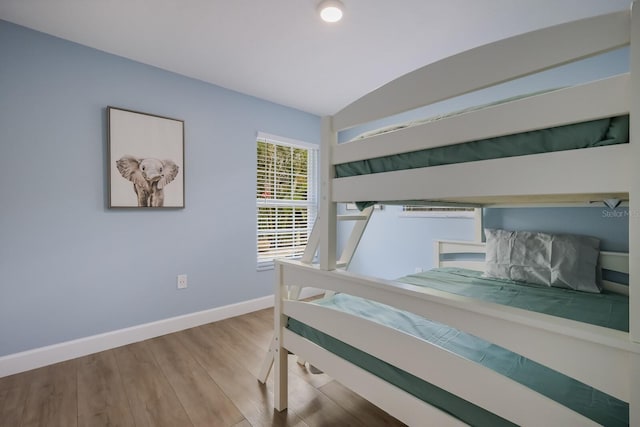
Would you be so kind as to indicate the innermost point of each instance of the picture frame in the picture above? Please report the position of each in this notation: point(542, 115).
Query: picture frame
point(146, 160)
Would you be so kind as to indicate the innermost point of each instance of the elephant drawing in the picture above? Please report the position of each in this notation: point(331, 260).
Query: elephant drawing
point(149, 177)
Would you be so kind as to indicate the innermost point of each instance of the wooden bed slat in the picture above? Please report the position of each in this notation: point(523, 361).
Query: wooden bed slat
point(453, 247)
point(557, 108)
point(384, 395)
point(614, 261)
point(592, 171)
point(615, 287)
point(470, 265)
point(475, 69)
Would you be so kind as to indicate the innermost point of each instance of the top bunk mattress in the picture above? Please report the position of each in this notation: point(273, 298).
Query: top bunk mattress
point(595, 133)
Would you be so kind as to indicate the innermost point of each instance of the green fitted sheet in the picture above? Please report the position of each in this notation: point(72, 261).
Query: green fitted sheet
point(595, 133)
point(605, 309)
point(581, 398)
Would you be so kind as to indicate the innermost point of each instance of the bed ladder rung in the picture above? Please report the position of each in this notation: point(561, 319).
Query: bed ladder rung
point(361, 221)
point(352, 217)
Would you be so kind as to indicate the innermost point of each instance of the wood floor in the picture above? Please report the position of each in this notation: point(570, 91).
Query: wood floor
point(205, 376)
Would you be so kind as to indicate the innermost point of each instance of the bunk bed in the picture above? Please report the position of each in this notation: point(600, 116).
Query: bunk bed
point(602, 359)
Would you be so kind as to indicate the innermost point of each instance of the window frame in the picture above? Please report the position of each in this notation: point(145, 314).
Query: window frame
point(311, 203)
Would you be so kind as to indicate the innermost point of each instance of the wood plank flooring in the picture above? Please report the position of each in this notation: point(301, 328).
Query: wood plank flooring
point(205, 376)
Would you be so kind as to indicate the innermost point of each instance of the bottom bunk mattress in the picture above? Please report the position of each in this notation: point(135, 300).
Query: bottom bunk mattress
point(591, 403)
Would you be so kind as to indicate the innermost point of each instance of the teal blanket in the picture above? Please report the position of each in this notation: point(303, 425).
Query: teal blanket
point(580, 397)
point(605, 309)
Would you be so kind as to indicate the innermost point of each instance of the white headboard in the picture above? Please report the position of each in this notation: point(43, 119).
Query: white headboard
point(614, 261)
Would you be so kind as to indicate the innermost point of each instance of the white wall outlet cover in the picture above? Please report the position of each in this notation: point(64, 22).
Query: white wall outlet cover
point(182, 281)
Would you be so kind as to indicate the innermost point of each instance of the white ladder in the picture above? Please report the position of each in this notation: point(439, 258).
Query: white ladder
point(360, 220)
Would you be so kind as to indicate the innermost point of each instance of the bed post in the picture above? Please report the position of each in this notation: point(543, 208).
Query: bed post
point(634, 214)
point(280, 371)
point(479, 224)
point(328, 212)
point(634, 194)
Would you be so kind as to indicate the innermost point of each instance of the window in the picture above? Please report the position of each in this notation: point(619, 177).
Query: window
point(285, 198)
point(437, 212)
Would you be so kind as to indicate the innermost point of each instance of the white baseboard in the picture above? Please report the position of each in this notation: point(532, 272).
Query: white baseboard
point(48, 355)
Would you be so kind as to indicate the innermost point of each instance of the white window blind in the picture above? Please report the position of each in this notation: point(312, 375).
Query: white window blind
point(286, 202)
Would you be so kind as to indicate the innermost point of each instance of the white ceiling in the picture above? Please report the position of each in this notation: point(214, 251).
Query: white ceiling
point(279, 50)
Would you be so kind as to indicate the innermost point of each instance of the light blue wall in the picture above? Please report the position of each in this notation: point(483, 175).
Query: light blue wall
point(393, 246)
point(70, 267)
point(608, 225)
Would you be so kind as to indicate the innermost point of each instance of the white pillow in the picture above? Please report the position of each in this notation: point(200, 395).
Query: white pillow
point(559, 260)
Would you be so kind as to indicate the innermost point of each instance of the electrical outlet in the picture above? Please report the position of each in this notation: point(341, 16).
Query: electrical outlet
point(418, 270)
point(182, 281)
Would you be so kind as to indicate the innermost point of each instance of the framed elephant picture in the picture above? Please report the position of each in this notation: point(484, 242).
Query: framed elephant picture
point(146, 160)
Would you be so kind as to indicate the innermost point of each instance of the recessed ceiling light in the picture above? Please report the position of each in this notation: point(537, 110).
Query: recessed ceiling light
point(331, 10)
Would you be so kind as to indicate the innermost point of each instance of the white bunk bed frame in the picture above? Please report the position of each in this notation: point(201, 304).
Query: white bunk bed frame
point(606, 359)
